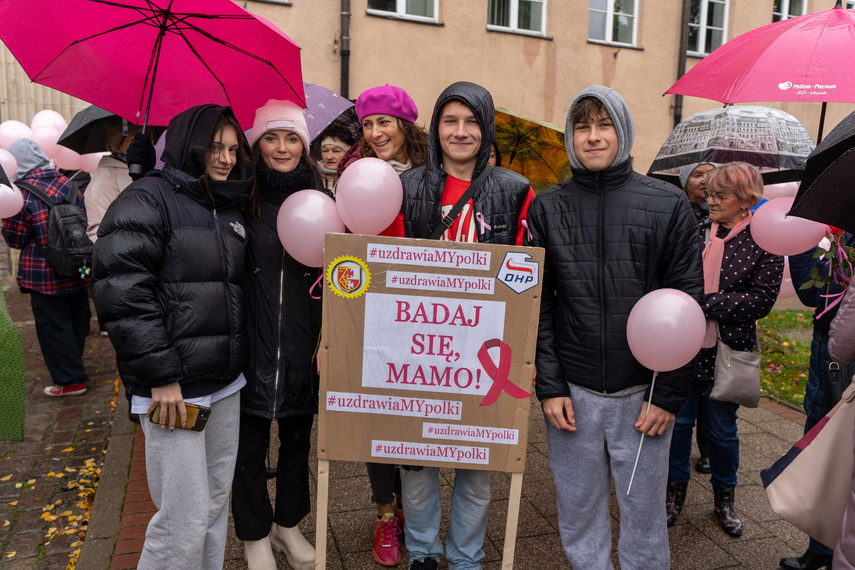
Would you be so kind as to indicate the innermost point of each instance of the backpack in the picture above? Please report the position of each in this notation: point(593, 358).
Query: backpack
point(69, 249)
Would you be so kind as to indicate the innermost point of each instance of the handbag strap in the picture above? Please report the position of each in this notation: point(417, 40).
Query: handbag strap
point(449, 218)
point(756, 338)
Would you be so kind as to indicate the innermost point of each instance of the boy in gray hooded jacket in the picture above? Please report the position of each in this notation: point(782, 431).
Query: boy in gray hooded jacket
point(611, 236)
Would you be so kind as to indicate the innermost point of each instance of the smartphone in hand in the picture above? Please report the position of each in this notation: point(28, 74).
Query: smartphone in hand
point(197, 417)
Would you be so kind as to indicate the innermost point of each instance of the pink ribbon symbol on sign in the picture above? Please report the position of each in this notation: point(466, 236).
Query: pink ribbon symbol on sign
point(499, 374)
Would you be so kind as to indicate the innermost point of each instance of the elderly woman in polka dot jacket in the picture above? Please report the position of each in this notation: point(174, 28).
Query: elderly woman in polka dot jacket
point(741, 284)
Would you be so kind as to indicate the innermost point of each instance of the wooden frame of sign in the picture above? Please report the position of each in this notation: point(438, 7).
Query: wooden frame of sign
point(438, 338)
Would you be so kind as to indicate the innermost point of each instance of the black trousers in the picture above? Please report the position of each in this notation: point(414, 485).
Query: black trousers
point(253, 514)
point(62, 323)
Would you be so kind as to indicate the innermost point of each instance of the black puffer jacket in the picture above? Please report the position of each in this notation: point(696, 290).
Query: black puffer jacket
point(500, 199)
point(611, 237)
point(168, 265)
point(284, 319)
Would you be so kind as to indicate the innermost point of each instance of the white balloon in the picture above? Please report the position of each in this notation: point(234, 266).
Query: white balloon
point(49, 118)
point(11, 201)
point(13, 130)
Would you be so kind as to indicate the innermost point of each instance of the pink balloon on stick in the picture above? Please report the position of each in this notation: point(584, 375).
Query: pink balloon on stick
point(8, 163)
point(369, 196)
point(665, 329)
point(49, 118)
point(778, 233)
point(782, 190)
point(11, 201)
point(89, 162)
point(303, 220)
point(13, 130)
point(46, 136)
point(67, 159)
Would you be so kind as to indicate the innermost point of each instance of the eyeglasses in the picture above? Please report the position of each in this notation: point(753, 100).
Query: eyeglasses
point(717, 199)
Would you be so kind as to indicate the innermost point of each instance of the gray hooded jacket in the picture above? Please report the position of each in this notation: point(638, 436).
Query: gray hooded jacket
point(500, 199)
point(610, 237)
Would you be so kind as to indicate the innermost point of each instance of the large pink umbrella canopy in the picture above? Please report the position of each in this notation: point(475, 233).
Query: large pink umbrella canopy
point(807, 58)
point(110, 53)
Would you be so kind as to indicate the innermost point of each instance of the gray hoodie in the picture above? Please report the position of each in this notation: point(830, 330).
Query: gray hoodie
point(620, 115)
point(29, 155)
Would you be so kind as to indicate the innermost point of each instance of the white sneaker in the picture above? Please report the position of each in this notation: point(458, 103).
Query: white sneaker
point(259, 554)
point(295, 547)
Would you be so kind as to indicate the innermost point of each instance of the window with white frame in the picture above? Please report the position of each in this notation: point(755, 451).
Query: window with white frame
point(613, 21)
point(786, 9)
point(707, 25)
point(415, 9)
point(850, 4)
point(517, 15)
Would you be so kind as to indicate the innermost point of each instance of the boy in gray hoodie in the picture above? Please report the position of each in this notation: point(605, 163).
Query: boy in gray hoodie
point(611, 236)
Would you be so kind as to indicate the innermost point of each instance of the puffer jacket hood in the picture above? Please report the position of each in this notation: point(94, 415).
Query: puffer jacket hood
point(481, 102)
point(620, 115)
point(187, 139)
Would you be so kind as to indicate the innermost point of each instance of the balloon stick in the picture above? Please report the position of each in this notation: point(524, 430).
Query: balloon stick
point(641, 441)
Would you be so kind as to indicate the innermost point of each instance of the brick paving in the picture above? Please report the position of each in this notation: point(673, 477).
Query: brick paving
point(63, 434)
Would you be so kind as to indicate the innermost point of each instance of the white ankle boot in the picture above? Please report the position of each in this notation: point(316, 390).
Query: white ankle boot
point(291, 543)
point(259, 554)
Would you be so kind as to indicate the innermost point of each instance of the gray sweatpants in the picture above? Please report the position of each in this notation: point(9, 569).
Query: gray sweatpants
point(606, 440)
point(189, 477)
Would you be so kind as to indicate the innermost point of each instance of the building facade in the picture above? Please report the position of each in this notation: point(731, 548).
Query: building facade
point(533, 55)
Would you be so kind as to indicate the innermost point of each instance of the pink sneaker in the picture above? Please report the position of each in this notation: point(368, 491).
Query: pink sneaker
point(385, 549)
point(70, 390)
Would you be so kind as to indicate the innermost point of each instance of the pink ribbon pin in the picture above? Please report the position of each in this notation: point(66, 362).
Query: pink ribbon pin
point(484, 225)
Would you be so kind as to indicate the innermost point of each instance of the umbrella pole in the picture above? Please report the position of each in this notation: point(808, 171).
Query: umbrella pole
point(821, 121)
point(136, 170)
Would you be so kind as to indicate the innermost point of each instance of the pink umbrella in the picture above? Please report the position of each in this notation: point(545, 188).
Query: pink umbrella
point(800, 59)
point(148, 60)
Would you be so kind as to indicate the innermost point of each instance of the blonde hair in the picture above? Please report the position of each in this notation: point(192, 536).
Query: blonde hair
point(741, 178)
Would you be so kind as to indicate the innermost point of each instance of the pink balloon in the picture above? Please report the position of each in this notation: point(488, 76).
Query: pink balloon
point(8, 163)
point(304, 218)
point(46, 136)
point(782, 190)
point(12, 130)
point(89, 162)
point(11, 201)
point(49, 118)
point(780, 234)
point(369, 196)
point(665, 329)
point(67, 159)
point(787, 289)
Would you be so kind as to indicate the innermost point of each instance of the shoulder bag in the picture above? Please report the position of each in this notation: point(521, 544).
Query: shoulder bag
point(737, 374)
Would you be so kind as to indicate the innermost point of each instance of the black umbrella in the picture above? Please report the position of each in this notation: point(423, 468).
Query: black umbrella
point(826, 193)
point(87, 131)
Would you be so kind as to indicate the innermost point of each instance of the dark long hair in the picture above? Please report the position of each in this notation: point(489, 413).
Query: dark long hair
point(415, 141)
point(243, 154)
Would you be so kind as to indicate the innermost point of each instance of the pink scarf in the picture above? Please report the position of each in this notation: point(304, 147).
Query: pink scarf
point(713, 255)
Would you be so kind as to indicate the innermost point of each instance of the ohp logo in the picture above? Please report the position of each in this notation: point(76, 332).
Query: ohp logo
point(517, 272)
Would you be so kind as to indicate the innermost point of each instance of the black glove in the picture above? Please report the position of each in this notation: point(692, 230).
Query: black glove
point(140, 155)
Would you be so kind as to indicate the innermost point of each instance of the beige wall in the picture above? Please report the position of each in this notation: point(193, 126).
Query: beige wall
point(535, 77)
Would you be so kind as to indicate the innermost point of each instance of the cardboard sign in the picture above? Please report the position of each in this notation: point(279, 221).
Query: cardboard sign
point(427, 355)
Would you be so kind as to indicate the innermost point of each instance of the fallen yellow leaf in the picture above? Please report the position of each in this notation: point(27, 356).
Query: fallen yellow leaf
point(31, 482)
point(67, 449)
point(6, 478)
point(11, 554)
point(13, 503)
point(5, 523)
point(18, 485)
